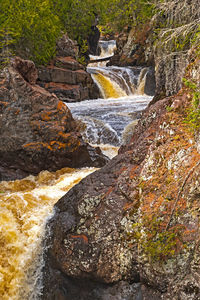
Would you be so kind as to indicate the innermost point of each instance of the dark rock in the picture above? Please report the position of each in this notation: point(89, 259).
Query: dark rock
point(67, 47)
point(37, 130)
point(93, 40)
point(26, 69)
point(66, 77)
point(150, 82)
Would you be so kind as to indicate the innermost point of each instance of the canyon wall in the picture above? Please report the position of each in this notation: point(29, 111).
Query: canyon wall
point(131, 229)
point(37, 129)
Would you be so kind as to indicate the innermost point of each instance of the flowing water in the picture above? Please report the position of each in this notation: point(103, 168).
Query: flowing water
point(122, 89)
point(105, 119)
point(26, 205)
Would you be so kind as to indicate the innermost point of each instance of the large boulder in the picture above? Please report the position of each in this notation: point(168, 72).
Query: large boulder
point(67, 47)
point(131, 229)
point(37, 130)
point(65, 76)
point(93, 41)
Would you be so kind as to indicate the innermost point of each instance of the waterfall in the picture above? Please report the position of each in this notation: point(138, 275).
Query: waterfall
point(107, 50)
point(25, 207)
point(113, 81)
point(123, 92)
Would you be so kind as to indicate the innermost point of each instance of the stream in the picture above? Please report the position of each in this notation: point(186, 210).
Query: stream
point(26, 205)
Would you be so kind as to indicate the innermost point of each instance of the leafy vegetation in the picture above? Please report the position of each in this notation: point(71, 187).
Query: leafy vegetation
point(193, 116)
point(158, 244)
point(31, 28)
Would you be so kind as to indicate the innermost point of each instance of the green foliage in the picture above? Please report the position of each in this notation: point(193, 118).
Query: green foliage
point(193, 116)
point(169, 108)
point(121, 13)
point(153, 240)
point(28, 28)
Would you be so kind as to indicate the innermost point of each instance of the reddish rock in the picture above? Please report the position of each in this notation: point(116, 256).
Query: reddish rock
point(65, 71)
point(56, 74)
point(68, 62)
point(66, 92)
point(26, 68)
point(69, 82)
point(37, 130)
point(117, 225)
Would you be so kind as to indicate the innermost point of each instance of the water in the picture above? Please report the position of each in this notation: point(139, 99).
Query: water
point(114, 114)
point(114, 81)
point(26, 205)
point(122, 90)
point(107, 50)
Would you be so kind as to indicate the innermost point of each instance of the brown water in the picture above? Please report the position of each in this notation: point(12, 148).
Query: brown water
point(25, 206)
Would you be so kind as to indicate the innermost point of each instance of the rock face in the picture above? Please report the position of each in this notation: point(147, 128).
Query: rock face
point(93, 41)
point(167, 47)
point(131, 229)
point(67, 47)
point(36, 128)
point(65, 77)
point(171, 60)
point(131, 46)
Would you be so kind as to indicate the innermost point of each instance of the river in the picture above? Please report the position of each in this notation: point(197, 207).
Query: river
point(26, 205)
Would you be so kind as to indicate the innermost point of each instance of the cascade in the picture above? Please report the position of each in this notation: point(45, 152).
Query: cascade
point(26, 205)
point(122, 90)
point(113, 81)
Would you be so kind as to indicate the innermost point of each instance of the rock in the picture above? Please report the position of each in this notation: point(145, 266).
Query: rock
point(150, 82)
point(26, 69)
point(117, 224)
point(37, 129)
point(93, 41)
point(146, 82)
point(131, 45)
point(68, 85)
point(66, 92)
point(66, 77)
point(93, 246)
point(67, 47)
point(68, 62)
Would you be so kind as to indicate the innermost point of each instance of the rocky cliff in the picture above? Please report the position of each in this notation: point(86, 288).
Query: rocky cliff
point(131, 229)
point(164, 43)
point(36, 128)
point(65, 76)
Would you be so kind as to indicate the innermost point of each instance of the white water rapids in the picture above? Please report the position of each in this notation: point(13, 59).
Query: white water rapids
point(26, 205)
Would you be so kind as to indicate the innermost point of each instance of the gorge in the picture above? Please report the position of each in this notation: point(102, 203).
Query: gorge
point(100, 164)
point(27, 204)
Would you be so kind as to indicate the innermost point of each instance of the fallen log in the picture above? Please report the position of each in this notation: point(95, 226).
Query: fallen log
point(100, 59)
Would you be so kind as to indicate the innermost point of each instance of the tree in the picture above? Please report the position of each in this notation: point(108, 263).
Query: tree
point(28, 28)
